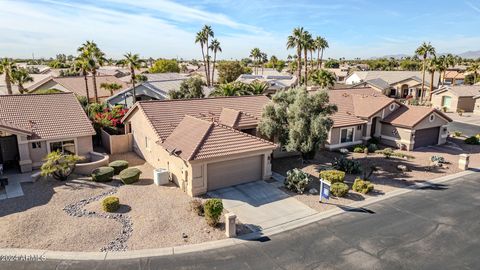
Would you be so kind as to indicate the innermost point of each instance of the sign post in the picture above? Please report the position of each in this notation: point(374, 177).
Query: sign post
point(324, 190)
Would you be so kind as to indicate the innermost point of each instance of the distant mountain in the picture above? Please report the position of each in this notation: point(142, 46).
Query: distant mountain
point(394, 56)
point(470, 54)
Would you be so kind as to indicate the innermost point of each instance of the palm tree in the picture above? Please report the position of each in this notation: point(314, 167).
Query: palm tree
point(96, 58)
point(263, 60)
point(294, 41)
point(200, 38)
point(257, 87)
point(215, 47)
point(425, 50)
point(432, 66)
point(323, 78)
point(230, 89)
point(449, 61)
point(82, 64)
point(441, 67)
point(208, 32)
point(133, 62)
point(255, 53)
point(475, 69)
point(307, 44)
point(7, 67)
point(112, 87)
point(321, 44)
point(21, 76)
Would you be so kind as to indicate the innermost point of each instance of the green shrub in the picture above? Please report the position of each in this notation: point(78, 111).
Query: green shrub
point(102, 174)
point(213, 210)
point(196, 206)
point(297, 180)
point(333, 176)
point(347, 165)
point(339, 189)
point(362, 186)
point(130, 175)
point(472, 140)
point(372, 147)
point(110, 204)
point(359, 148)
point(373, 140)
point(437, 159)
point(118, 165)
point(457, 133)
point(402, 155)
point(387, 152)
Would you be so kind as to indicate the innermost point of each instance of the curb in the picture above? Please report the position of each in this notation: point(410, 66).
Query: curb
point(135, 254)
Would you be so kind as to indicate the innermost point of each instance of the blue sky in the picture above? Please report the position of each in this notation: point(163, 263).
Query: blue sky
point(166, 28)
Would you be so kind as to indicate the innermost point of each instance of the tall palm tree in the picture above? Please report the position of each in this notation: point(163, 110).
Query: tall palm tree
point(7, 67)
point(96, 58)
point(321, 44)
point(425, 50)
point(133, 62)
point(255, 53)
point(215, 47)
point(208, 32)
point(475, 69)
point(323, 78)
point(82, 64)
point(111, 87)
point(307, 43)
point(263, 60)
point(441, 67)
point(21, 76)
point(200, 38)
point(294, 41)
point(432, 66)
point(230, 89)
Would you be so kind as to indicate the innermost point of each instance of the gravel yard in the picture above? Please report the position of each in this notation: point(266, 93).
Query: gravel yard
point(160, 215)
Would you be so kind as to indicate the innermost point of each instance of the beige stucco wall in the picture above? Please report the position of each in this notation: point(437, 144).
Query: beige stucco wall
point(395, 136)
point(437, 122)
point(52, 85)
point(38, 154)
point(438, 98)
point(117, 144)
point(476, 110)
point(333, 141)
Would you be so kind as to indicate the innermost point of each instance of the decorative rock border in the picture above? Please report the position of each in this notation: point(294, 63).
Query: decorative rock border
point(119, 243)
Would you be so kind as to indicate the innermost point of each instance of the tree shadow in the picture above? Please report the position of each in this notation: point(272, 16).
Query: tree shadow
point(123, 209)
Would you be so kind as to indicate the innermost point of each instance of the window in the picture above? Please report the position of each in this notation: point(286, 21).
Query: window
point(36, 145)
point(359, 127)
point(346, 135)
point(67, 147)
point(392, 107)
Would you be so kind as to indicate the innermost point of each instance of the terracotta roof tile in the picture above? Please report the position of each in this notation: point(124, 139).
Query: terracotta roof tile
point(45, 116)
point(410, 116)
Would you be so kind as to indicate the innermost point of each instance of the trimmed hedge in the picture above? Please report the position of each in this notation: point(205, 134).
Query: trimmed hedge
point(102, 174)
point(118, 165)
point(333, 176)
point(362, 186)
point(130, 175)
point(472, 140)
point(213, 210)
point(111, 204)
point(339, 189)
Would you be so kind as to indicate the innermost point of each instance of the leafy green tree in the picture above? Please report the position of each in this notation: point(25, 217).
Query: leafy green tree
point(332, 63)
point(165, 66)
point(229, 71)
point(133, 62)
point(59, 165)
point(409, 64)
point(425, 50)
point(280, 65)
point(190, 88)
point(323, 78)
point(474, 69)
point(8, 67)
point(298, 120)
point(231, 89)
point(20, 76)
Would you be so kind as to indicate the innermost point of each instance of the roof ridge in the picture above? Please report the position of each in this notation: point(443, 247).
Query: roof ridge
point(202, 140)
point(189, 99)
point(242, 133)
point(36, 94)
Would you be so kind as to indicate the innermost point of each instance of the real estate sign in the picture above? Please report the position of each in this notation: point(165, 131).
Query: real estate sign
point(324, 189)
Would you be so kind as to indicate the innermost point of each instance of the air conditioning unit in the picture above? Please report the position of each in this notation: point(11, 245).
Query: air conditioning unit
point(160, 176)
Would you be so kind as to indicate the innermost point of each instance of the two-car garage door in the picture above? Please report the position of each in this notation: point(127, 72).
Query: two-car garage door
point(233, 172)
point(426, 137)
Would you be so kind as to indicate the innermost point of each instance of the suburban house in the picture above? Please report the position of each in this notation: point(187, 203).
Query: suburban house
point(32, 125)
point(275, 82)
point(157, 87)
point(36, 78)
point(77, 85)
point(340, 73)
point(205, 144)
point(453, 77)
point(456, 98)
point(364, 113)
point(396, 84)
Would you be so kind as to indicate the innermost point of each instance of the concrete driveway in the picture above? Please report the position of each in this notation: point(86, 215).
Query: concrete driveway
point(261, 205)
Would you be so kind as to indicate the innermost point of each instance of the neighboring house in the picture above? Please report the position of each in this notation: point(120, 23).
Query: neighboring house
point(456, 98)
point(157, 87)
point(340, 73)
point(36, 78)
point(275, 83)
point(32, 125)
point(476, 109)
point(453, 77)
point(401, 84)
point(205, 144)
point(364, 113)
point(77, 85)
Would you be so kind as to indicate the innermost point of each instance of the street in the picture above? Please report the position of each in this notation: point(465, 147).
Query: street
point(466, 129)
point(437, 227)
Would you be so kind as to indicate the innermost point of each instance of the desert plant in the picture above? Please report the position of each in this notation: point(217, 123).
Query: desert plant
point(339, 189)
point(457, 133)
point(362, 186)
point(347, 165)
point(437, 159)
point(460, 112)
point(110, 204)
point(372, 148)
point(387, 152)
point(368, 168)
point(333, 176)
point(118, 165)
point(359, 148)
point(296, 180)
point(130, 175)
point(213, 210)
point(196, 206)
point(59, 165)
point(102, 174)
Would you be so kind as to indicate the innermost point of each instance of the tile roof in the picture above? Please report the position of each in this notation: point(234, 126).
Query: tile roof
point(392, 77)
point(77, 84)
point(460, 90)
point(165, 115)
point(409, 116)
point(195, 139)
point(49, 116)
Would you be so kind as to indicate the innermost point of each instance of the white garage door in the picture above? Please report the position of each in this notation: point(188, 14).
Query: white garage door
point(234, 172)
